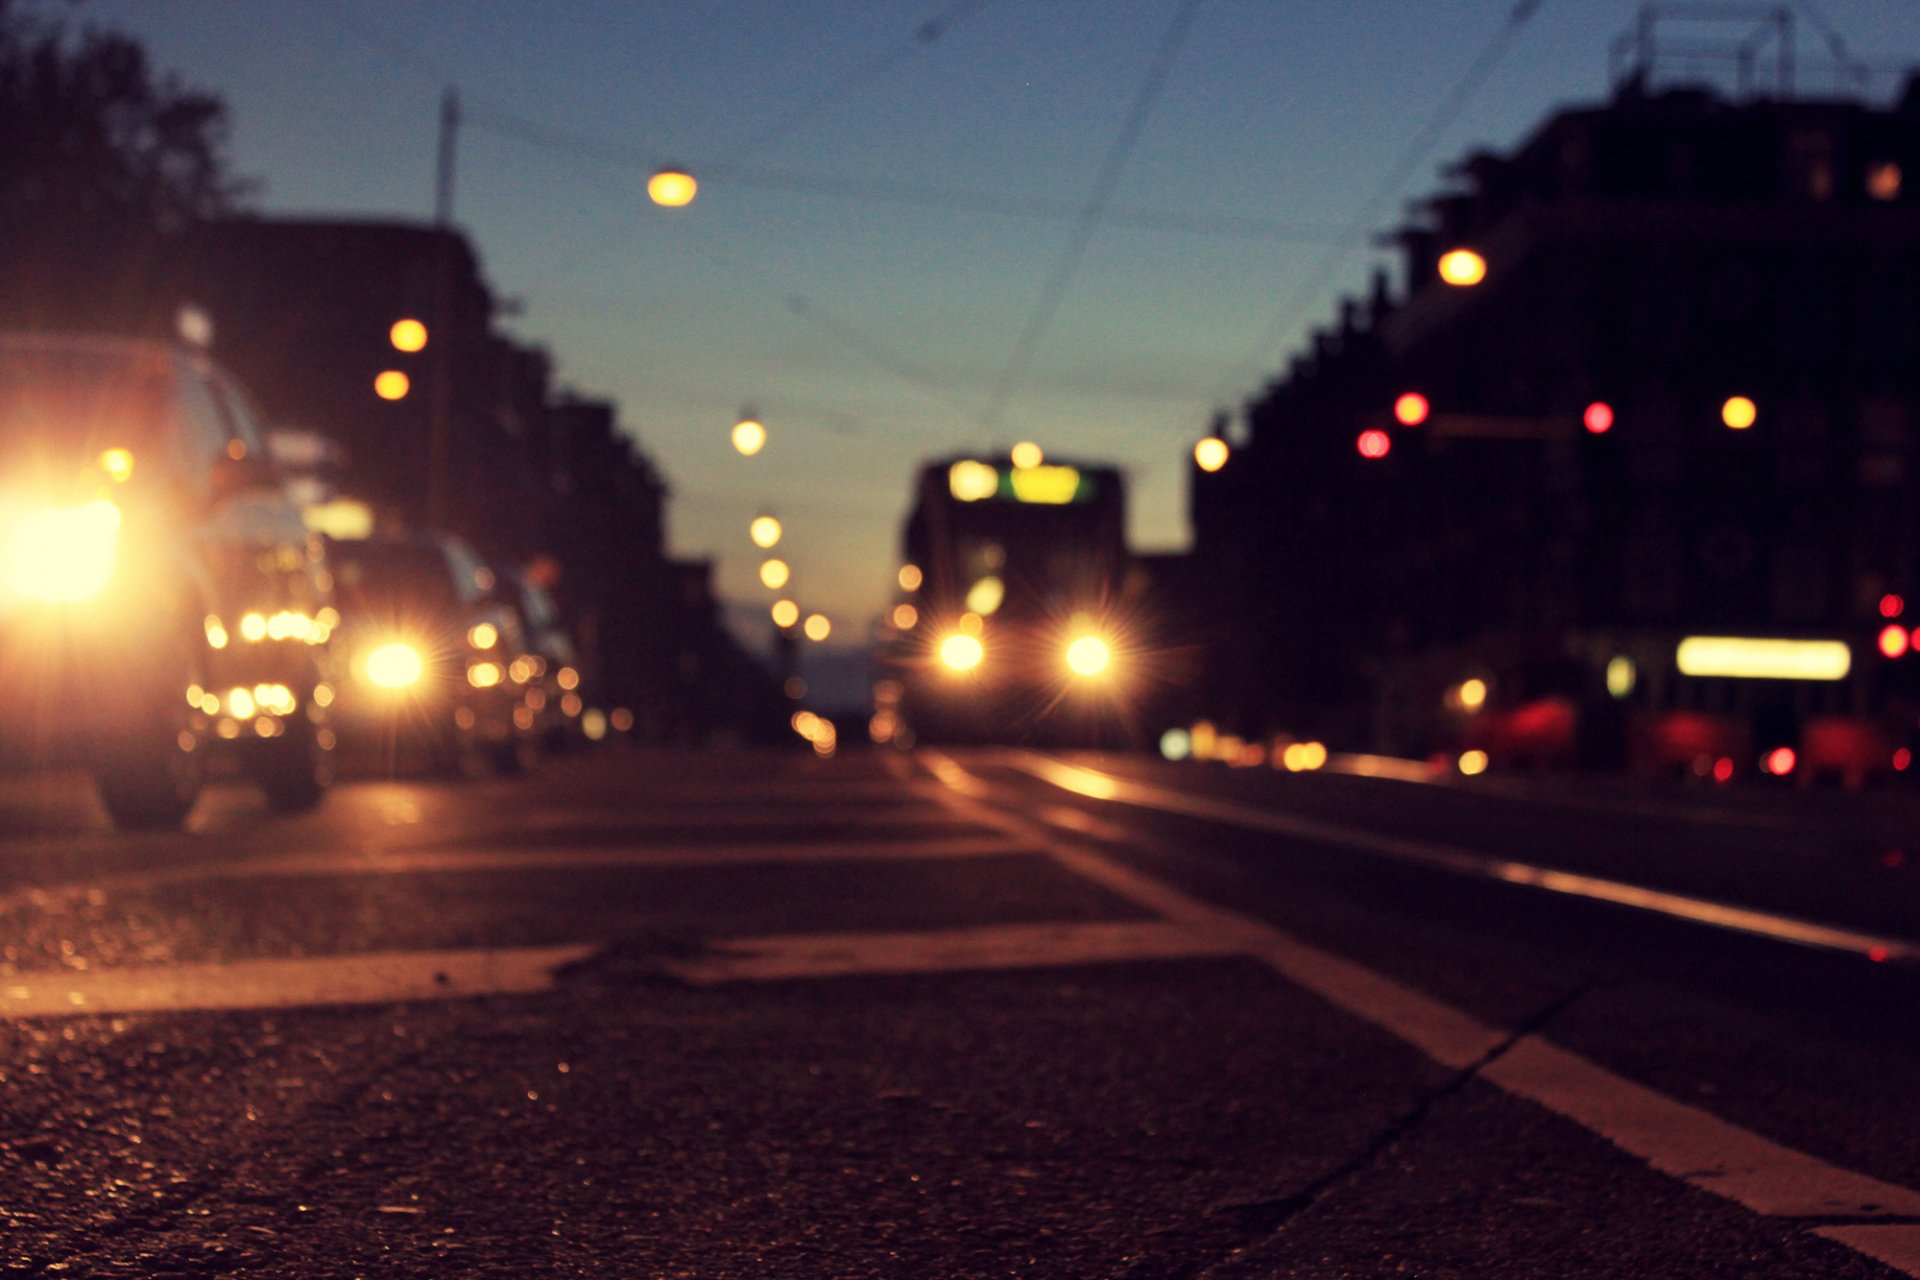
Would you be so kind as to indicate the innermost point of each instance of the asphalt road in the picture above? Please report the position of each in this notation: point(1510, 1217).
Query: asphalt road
point(970, 1014)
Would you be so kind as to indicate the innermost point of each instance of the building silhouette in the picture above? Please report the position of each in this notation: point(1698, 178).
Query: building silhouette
point(480, 444)
point(1584, 489)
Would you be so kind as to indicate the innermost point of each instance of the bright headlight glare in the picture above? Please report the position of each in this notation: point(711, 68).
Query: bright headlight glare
point(60, 555)
point(961, 652)
point(1088, 656)
point(395, 665)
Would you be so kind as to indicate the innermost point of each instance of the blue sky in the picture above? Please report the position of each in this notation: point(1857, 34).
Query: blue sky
point(871, 334)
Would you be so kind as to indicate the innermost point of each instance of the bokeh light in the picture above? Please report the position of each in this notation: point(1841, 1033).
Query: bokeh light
point(1211, 454)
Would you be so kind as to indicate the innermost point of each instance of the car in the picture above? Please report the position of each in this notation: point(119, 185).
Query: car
point(162, 605)
point(435, 659)
point(552, 664)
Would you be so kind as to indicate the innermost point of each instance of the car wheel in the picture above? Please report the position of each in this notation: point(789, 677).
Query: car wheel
point(147, 746)
point(294, 768)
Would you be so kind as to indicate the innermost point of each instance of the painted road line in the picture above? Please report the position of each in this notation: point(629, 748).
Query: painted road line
point(1721, 915)
point(1897, 1246)
point(1028, 946)
point(377, 978)
point(1691, 1145)
point(414, 860)
point(743, 816)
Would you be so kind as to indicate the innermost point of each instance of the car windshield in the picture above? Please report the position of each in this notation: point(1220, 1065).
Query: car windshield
point(392, 577)
point(80, 401)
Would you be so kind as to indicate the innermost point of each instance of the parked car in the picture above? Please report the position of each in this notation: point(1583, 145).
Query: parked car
point(434, 655)
point(552, 664)
point(161, 602)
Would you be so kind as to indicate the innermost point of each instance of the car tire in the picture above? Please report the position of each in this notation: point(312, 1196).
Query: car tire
point(295, 768)
point(147, 747)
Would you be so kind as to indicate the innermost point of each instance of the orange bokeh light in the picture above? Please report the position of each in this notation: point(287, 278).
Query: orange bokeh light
point(1411, 409)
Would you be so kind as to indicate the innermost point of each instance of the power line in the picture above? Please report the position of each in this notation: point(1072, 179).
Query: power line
point(948, 199)
point(926, 33)
point(1358, 228)
point(1089, 221)
point(1836, 43)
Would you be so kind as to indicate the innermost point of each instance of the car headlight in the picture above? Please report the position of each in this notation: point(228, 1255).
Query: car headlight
point(961, 652)
point(395, 666)
point(1089, 656)
point(60, 555)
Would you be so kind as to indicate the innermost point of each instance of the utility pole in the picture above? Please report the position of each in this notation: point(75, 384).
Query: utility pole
point(440, 395)
point(449, 135)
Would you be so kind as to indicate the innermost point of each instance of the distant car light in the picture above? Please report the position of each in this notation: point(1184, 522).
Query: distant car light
point(961, 652)
point(1089, 656)
point(60, 555)
point(395, 666)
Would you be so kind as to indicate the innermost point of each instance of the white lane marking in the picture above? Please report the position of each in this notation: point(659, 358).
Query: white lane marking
point(1897, 1246)
point(418, 861)
point(1101, 786)
point(1026, 946)
point(734, 815)
point(1691, 1145)
point(376, 978)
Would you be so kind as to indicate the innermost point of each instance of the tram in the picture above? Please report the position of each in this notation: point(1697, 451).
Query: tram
point(1021, 617)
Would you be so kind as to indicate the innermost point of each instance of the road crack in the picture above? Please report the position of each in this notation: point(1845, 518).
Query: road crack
point(1235, 1227)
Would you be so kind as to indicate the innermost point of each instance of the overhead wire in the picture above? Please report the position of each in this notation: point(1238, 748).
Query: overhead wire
point(1836, 43)
point(1360, 226)
point(1088, 222)
point(923, 34)
point(534, 133)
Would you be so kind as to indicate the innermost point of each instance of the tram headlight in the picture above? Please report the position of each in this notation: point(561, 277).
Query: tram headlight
point(961, 652)
point(1089, 656)
point(395, 666)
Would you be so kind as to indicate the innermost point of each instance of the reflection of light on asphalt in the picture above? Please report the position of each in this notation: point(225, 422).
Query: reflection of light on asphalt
point(1069, 777)
point(400, 811)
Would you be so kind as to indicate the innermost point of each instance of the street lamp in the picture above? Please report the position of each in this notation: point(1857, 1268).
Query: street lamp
point(749, 437)
point(408, 335)
point(765, 531)
point(1462, 268)
point(672, 188)
point(1211, 454)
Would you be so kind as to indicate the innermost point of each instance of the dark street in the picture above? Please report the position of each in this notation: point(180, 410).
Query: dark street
point(885, 1014)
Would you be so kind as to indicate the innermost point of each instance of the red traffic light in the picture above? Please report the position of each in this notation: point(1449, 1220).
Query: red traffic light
point(1598, 418)
point(1411, 409)
point(1892, 605)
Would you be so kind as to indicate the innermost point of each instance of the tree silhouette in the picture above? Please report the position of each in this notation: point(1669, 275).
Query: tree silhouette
point(103, 160)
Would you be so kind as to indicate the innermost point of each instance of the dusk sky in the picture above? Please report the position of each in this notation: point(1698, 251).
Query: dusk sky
point(870, 332)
